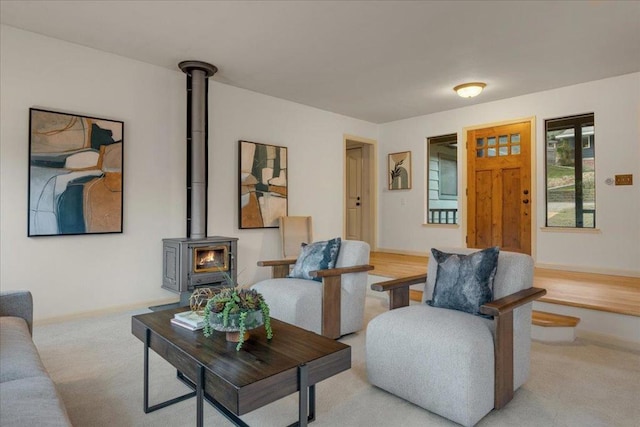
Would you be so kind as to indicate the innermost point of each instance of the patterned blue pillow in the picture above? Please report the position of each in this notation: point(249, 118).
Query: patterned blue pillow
point(464, 282)
point(316, 256)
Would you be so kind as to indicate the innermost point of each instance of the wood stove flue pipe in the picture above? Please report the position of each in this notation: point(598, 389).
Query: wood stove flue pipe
point(197, 140)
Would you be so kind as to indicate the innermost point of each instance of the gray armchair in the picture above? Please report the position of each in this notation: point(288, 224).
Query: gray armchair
point(450, 362)
point(333, 307)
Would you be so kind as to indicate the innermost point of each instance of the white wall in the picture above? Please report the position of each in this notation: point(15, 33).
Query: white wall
point(77, 274)
point(315, 161)
point(616, 104)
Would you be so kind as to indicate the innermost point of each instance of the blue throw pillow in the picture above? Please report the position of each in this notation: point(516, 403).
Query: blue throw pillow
point(316, 256)
point(464, 282)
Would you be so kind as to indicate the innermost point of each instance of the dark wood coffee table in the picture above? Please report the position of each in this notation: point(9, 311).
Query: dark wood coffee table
point(237, 382)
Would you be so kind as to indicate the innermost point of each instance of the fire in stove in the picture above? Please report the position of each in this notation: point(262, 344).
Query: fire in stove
point(207, 259)
point(210, 258)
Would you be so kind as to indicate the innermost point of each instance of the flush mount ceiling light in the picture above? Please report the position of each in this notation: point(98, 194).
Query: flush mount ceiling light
point(469, 90)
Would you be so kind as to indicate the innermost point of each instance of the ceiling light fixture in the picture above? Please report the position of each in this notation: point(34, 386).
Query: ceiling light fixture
point(469, 90)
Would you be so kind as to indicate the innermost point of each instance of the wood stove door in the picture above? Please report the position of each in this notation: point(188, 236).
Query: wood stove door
point(171, 268)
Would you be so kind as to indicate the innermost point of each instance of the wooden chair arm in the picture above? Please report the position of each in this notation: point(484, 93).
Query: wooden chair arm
point(332, 296)
point(399, 283)
point(276, 262)
point(340, 271)
point(510, 302)
point(279, 268)
point(399, 289)
point(502, 312)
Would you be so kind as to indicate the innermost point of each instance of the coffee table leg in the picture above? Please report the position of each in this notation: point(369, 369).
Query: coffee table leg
point(312, 403)
point(307, 398)
point(303, 402)
point(145, 403)
point(199, 396)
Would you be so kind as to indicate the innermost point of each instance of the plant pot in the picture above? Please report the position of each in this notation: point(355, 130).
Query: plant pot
point(253, 320)
point(235, 336)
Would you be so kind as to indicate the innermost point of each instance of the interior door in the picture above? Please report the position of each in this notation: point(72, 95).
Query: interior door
point(499, 187)
point(354, 194)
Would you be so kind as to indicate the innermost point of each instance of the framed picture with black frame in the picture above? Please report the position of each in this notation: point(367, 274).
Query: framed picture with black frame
point(75, 174)
point(262, 184)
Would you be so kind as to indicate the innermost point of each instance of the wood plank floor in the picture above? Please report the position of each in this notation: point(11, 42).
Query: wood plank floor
point(615, 294)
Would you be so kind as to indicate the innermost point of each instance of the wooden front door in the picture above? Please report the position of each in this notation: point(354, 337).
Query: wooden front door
point(499, 187)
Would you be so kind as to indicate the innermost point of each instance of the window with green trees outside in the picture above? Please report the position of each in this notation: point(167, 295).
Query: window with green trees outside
point(570, 172)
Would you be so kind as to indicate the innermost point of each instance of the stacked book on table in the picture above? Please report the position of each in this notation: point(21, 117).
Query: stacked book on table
point(189, 320)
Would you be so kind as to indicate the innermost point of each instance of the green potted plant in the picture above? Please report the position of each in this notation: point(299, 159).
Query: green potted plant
point(235, 311)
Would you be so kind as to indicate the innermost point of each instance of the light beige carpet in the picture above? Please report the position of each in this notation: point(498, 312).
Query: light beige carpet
point(97, 365)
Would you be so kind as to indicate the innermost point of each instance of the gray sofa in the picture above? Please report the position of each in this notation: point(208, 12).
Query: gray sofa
point(28, 396)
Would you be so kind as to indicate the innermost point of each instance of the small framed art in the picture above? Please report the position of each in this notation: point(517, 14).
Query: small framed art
point(400, 171)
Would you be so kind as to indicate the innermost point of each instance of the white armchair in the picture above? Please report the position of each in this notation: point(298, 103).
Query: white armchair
point(455, 364)
point(333, 307)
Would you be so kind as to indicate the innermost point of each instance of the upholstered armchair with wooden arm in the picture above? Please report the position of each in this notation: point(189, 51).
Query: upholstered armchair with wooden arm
point(453, 363)
point(332, 307)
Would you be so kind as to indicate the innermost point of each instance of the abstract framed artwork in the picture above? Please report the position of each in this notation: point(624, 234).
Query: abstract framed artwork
point(262, 184)
point(75, 174)
point(400, 171)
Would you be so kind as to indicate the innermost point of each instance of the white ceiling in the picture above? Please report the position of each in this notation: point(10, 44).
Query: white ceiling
point(377, 61)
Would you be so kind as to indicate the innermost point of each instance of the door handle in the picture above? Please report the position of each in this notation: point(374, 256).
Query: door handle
point(357, 203)
point(525, 201)
point(526, 192)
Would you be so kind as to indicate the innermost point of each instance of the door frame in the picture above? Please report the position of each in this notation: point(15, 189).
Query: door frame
point(533, 184)
point(370, 146)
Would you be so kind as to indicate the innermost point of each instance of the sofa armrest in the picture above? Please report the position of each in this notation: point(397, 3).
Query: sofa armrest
point(399, 289)
point(279, 268)
point(17, 304)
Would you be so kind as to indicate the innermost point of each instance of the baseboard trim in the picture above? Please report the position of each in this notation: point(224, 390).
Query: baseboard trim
point(104, 311)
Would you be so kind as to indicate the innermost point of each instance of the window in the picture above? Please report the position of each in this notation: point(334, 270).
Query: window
point(442, 180)
point(570, 172)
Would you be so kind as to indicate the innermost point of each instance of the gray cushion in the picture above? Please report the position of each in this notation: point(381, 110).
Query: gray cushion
point(31, 402)
point(28, 396)
point(18, 355)
point(446, 367)
point(464, 282)
point(316, 256)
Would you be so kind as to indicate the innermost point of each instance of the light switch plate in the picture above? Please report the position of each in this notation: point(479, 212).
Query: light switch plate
point(626, 179)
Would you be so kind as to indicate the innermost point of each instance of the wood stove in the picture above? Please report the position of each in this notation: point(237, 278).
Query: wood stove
point(189, 263)
point(197, 261)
